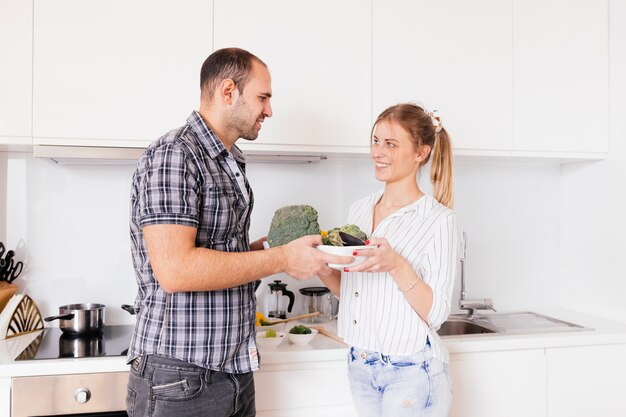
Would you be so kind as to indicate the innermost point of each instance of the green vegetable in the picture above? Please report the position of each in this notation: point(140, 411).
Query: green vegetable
point(270, 333)
point(335, 240)
point(265, 322)
point(292, 222)
point(300, 329)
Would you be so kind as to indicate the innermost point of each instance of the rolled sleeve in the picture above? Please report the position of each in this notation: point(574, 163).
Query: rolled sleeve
point(170, 190)
point(443, 261)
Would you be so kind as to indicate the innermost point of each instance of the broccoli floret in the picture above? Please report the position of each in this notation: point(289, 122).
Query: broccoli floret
point(291, 222)
point(353, 229)
point(334, 238)
point(300, 329)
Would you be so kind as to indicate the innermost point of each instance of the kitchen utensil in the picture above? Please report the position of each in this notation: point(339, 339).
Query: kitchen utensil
point(344, 251)
point(350, 240)
point(82, 318)
point(276, 302)
point(329, 334)
point(303, 316)
point(319, 299)
point(302, 339)
point(270, 342)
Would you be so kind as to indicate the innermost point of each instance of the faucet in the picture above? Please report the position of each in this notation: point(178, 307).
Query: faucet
point(470, 304)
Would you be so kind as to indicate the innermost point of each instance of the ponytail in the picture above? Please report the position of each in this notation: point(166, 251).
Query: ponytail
point(441, 169)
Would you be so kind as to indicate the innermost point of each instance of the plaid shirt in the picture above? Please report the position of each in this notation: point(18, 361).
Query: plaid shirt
point(183, 178)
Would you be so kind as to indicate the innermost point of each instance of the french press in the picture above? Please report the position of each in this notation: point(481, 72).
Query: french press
point(276, 303)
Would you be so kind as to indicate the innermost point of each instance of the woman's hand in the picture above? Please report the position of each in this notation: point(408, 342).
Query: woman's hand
point(381, 258)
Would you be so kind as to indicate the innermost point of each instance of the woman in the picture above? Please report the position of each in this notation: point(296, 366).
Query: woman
point(393, 303)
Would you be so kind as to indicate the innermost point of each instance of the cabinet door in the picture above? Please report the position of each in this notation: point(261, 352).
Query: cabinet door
point(319, 56)
point(453, 56)
point(16, 44)
point(586, 381)
point(115, 72)
point(560, 75)
point(499, 384)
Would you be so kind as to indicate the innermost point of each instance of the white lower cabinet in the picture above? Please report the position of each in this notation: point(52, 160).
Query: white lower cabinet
point(508, 383)
point(318, 389)
point(587, 381)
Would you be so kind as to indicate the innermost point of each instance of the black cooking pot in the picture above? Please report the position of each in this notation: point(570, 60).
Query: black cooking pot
point(86, 318)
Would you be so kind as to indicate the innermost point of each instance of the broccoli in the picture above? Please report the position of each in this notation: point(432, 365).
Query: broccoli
point(300, 329)
point(333, 235)
point(290, 223)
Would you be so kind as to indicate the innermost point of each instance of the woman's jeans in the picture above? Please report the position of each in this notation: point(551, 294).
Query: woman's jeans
point(161, 386)
point(399, 386)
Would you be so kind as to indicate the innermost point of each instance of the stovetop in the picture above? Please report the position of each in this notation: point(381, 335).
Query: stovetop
point(54, 344)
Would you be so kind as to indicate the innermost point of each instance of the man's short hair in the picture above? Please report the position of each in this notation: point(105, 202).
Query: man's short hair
point(227, 63)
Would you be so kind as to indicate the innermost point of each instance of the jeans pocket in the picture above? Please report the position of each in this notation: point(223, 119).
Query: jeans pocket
point(172, 384)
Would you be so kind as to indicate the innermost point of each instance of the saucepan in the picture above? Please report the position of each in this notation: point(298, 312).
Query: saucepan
point(86, 318)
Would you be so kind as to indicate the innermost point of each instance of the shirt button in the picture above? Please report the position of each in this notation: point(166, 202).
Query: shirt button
point(237, 174)
point(353, 321)
point(356, 294)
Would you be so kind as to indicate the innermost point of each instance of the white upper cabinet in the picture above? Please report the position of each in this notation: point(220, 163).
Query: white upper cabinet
point(560, 75)
point(319, 56)
point(116, 72)
point(16, 46)
point(454, 56)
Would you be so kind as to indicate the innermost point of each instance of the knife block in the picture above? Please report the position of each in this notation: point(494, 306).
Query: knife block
point(6, 292)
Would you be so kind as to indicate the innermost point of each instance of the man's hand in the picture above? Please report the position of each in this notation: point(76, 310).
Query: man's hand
point(303, 260)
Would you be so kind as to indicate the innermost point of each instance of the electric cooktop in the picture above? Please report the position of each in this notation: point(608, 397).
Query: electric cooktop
point(54, 344)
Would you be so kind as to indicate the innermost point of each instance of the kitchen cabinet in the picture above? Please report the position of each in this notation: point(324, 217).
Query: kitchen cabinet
point(304, 389)
point(505, 383)
point(586, 381)
point(16, 44)
point(319, 56)
point(116, 73)
point(560, 76)
point(453, 56)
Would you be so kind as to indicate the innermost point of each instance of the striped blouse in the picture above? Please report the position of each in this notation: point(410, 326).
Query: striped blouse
point(374, 315)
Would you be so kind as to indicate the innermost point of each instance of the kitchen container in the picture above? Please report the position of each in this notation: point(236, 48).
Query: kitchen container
point(77, 319)
point(319, 299)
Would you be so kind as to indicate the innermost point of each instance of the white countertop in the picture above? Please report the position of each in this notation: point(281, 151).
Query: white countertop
point(324, 349)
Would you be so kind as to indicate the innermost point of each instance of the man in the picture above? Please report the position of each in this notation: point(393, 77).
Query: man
point(193, 350)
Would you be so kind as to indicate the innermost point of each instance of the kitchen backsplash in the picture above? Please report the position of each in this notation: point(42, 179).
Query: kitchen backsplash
point(70, 223)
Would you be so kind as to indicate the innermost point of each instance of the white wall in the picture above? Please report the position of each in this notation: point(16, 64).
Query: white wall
point(593, 198)
point(71, 225)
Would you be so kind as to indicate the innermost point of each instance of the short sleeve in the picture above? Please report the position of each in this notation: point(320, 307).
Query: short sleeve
point(169, 192)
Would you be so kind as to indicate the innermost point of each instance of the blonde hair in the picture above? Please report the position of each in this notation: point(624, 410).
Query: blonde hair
point(425, 129)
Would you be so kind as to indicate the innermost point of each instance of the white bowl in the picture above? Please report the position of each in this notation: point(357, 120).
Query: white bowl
point(344, 251)
point(277, 327)
point(302, 339)
point(269, 342)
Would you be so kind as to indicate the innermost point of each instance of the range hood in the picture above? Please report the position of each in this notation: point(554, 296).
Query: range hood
point(101, 155)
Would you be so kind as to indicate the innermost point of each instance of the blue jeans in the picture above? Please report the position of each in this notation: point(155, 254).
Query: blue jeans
point(160, 386)
point(399, 386)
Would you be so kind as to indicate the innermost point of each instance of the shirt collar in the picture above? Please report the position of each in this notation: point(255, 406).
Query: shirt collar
point(406, 209)
point(209, 139)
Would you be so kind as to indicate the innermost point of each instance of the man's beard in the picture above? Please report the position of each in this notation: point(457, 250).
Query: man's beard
point(240, 121)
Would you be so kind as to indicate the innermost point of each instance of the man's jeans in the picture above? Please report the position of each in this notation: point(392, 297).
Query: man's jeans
point(161, 386)
point(399, 386)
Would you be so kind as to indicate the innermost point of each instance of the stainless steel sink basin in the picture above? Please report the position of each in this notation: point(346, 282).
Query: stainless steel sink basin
point(525, 322)
point(458, 327)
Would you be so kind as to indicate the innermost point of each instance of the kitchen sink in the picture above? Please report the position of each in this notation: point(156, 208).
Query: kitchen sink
point(525, 322)
point(458, 327)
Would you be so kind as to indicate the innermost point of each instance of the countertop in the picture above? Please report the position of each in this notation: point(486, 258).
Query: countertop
point(324, 349)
